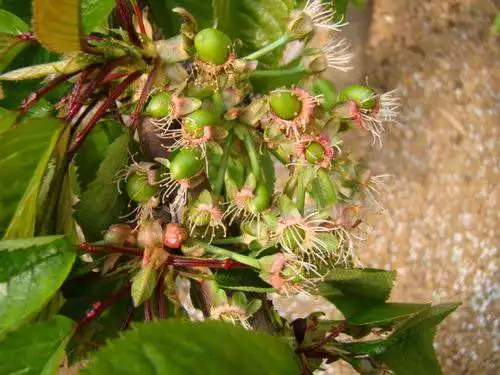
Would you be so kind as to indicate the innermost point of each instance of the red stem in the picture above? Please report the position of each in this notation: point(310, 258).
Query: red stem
point(161, 298)
point(134, 117)
point(225, 264)
point(127, 22)
point(148, 311)
point(113, 77)
point(82, 95)
point(117, 91)
point(139, 16)
point(172, 260)
point(77, 88)
point(334, 333)
point(27, 37)
point(34, 97)
point(98, 307)
point(128, 318)
point(89, 248)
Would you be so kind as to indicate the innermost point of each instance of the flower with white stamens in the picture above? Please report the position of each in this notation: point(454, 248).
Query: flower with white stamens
point(205, 215)
point(323, 15)
point(337, 54)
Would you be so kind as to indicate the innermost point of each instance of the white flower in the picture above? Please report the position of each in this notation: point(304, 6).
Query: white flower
point(322, 15)
point(337, 54)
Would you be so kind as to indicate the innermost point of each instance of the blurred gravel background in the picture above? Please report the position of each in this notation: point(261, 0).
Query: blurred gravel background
point(440, 229)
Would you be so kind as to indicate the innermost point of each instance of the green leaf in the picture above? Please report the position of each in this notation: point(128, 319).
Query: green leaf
point(183, 348)
point(24, 156)
point(409, 350)
point(65, 223)
point(356, 289)
point(31, 272)
point(12, 24)
point(255, 22)
point(246, 280)
point(95, 13)
point(340, 9)
point(10, 43)
point(36, 349)
point(57, 24)
point(386, 313)
point(21, 8)
point(143, 284)
point(413, 352)
point(69, 65)
point(101, 204)
point(94, 149)
point(7, 119)
point(170, 22)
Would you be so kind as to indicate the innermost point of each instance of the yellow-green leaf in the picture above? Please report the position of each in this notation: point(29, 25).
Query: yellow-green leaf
point(69, 65)
point(57, 24)
point(24, 156)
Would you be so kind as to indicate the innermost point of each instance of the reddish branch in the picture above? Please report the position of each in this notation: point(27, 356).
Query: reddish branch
point(34, 97)
point(140, 19)
point(134, 117)
point(148, 311)
point(117, 91)
point(81, 94)
point(98, 307)
point(126, 19)
point(329, 337)
point(172, 260)
point(89, 248)
point(161, 297)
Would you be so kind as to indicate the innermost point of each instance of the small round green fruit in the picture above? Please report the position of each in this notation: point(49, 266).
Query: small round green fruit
point(212, 46)
point(285, 104)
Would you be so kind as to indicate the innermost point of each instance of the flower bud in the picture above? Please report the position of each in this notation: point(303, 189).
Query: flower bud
point(253, 112)
point(300, 25)
point(119, 235)
point(315, 62)
point(150, 235)
point(174, 235)
point(173, 50)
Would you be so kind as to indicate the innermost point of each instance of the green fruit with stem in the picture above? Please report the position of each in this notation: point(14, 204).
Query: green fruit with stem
point(363, 96)
point(195, 122)
point(139, 189)
point(185, 164)
point(212, 46)
point(328, 92)
point(314, 152)
point(285, 104)
point(159, 105)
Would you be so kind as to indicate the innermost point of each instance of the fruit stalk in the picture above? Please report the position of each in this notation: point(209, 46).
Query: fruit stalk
point(265, 50)
point(240, 258)
point(134, 117)
point(118, 90)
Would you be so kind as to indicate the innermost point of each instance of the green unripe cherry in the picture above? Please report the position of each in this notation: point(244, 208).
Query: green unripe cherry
point(138, 188)
point(196, 121)
point(159, 105)
point(362, 95)
point(262, 199)
point(285, 104)
point(314, 152)
point(212, 46)
point(185, 164)
point(327, 90)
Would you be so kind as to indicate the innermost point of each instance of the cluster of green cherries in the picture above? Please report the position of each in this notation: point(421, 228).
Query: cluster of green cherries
point(232, 186)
